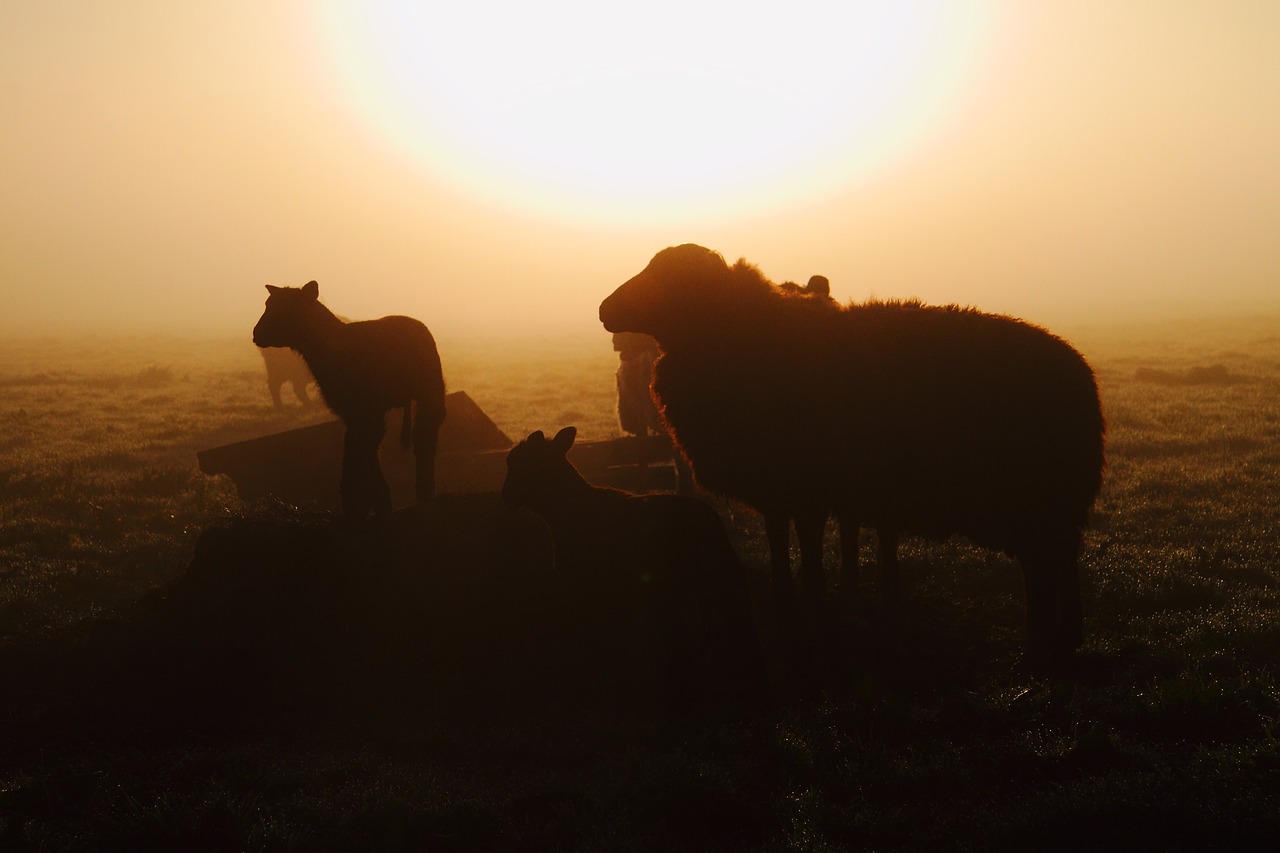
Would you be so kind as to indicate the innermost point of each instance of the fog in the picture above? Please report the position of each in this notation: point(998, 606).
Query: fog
point(162, 162)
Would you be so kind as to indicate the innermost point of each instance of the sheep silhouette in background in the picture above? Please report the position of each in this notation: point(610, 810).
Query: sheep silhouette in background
point(653, 579)
point(284, 365)
point(818, 285)
point(935, 420)
point(364, 369)
point(637, 413)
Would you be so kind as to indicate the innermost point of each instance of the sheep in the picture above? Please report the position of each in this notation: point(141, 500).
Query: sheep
point(637, 414)
point(284, 365)
point(653, 579)
point(364, 369)
point(818, 286)
point(935, 420)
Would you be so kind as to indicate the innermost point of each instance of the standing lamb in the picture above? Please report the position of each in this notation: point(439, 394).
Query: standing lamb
point(364, 369)
point(654, 580)
point(937, 420)
point(284, 365)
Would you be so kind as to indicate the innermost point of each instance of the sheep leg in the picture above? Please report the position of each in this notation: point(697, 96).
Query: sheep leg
point(777, 529)
point(299, 391)
point(1041, 608)
point(1054, 612)
point(377, 483)
point(1070, 607)
point(274, 387)
point(355, 499)
point(1064, 566)
point(887, 554)
point(363, 486)
point(810, 527)
point(847, 525)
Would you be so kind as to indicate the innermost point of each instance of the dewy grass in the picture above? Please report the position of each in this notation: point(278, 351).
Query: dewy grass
point(926, 734)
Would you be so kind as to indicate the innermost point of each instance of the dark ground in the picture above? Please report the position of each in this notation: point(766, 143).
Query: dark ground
point(184, 672)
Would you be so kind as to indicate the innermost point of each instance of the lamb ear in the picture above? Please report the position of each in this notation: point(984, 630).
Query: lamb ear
point(272, 289)
point(564, 438)
point(536, 436)
point(311, 290)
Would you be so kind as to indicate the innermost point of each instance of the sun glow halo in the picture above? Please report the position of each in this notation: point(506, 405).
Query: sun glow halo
point(577, 108)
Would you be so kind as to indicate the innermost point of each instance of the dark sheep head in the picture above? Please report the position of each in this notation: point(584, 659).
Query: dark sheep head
point(818, 285)
point(671, 296)
point(284, 321)
point(537, 468)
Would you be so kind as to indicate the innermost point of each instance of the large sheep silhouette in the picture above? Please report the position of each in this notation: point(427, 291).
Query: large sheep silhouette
point(936, 420)
point(658, 591)
point(364, 369)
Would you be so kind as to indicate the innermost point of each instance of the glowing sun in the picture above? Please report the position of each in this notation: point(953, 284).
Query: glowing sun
point(633, 112)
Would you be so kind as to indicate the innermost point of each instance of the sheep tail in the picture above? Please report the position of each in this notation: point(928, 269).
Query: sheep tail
point(406, 427)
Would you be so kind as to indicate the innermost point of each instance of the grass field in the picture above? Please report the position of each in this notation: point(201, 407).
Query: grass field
point(923, 732)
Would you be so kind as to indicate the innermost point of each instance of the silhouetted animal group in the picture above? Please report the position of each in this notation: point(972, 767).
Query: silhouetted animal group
point(909, 418)
point(933, 420)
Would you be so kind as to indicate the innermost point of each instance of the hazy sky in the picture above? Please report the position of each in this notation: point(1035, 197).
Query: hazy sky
point(501, 167)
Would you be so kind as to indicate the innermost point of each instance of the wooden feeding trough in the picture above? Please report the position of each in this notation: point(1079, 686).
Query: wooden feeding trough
point(303, 466)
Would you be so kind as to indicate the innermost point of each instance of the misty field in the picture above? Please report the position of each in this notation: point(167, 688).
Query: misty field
point(183, 671)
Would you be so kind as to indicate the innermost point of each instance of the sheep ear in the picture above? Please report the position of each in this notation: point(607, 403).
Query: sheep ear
point(564, 438)
point(311, 290)
point(272, 289)
point(536, 436)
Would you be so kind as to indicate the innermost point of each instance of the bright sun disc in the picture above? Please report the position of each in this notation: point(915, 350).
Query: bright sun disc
point(590, 110)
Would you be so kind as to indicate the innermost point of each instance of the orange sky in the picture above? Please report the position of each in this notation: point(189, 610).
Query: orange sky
point(1075, 161)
